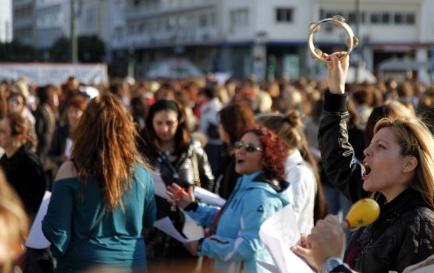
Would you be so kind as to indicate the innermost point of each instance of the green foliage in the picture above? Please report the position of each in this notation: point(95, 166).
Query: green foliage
point(17, 52)
point(90, 49)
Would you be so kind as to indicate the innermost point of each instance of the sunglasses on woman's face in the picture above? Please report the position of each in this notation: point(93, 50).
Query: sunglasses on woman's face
point(248, 147)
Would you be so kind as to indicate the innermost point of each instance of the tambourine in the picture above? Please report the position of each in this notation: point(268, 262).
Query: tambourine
point(337, 20)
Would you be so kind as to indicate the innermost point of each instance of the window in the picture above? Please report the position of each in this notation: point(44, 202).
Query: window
point(203, 20)
point(239, 18)
point(399, 19)
point(411, 18)
point(284, 15)
point(385, 18)
point(381, 18)
point(375, 18)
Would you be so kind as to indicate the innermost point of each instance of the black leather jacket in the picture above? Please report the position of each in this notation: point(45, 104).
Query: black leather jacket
point(402, 235)
point(182, 171)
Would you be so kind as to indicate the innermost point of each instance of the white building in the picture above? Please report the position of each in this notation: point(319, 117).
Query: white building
point(264, 37)
point(23, 16)
point(5, 21)
point(269, 37)
point(51, 20)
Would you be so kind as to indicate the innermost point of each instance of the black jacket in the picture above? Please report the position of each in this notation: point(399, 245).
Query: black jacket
point(402, 235)
point(25, 174)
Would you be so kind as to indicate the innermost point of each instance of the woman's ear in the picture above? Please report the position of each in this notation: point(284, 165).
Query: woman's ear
point(409, 164)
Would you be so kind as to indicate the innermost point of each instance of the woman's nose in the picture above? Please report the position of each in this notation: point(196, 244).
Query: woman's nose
point(367, 152)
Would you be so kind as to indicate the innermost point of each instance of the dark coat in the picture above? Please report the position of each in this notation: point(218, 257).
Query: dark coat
point(402, 235)
point(25, 174)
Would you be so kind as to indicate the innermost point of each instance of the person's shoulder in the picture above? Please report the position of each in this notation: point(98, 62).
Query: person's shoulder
point(66, 171)
point(142, 173)
point(141, 169)
point(28, 155)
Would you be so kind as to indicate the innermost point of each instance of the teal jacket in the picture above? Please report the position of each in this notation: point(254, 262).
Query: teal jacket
point(83, 233)
point(236, 246)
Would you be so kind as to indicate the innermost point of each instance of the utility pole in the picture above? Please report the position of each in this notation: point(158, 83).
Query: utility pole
point(358, 49)
point(74, 44)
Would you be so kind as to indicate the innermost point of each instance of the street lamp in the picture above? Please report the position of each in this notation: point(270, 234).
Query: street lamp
point(357, 30)
point(74, 43)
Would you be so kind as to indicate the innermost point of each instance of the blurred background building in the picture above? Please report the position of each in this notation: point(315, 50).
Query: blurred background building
point(5, 21)
point(242, 37)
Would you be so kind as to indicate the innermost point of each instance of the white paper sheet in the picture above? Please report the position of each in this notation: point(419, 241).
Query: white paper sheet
point(36, 238)
point(159, 186)
point(279, 233)
point(208, 197)
point(191, 229)
point(201, 193)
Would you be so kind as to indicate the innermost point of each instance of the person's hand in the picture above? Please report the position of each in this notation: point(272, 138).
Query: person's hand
point(180, 197)
point(337, 66)
point(192, 247)
point(303, 250)
point(326, 240)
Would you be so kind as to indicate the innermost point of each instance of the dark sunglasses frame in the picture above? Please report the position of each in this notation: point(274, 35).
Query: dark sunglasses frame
point(248, 147)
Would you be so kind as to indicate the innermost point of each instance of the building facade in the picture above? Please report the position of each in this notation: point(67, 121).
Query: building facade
point(5, 21)
point(42, 22)
point(243, 37)
point(23, 16)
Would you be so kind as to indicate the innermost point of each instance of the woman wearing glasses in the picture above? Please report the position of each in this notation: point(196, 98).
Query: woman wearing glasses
point(235, 245)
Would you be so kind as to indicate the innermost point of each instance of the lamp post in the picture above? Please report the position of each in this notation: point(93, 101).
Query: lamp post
point(359, 53)
point(74, 43)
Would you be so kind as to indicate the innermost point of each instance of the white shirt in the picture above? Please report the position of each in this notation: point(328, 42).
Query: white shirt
point(209, 114)
point(301, 191)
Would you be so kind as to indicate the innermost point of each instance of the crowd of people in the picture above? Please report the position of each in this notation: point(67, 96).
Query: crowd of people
point(315, 146)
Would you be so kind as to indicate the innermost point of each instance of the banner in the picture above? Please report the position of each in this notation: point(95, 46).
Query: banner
point(52, 73)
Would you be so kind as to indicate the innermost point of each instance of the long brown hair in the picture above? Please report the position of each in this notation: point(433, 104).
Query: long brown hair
point(289, 128)
point(105, 147)
point(235, 119)
point(415, 139)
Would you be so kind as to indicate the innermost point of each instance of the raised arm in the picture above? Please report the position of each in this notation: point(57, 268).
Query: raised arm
point(342, 168)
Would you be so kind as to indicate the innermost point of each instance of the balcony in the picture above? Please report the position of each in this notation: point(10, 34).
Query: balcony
point(166, 8)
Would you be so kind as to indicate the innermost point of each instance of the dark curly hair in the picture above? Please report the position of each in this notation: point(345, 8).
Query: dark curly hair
point(274, 153)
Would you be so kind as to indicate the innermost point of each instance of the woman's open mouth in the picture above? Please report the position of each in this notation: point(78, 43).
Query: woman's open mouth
point(367, 170)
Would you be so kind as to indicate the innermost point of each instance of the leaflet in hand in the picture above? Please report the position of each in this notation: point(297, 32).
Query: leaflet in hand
point(191, 231)
point(202, 194)
point(279, 233)
point(36, 238)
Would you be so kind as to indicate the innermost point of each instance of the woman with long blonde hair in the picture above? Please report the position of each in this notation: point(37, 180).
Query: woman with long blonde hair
point(103, 197)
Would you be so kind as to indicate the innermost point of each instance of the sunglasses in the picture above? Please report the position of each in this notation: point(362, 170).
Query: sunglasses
point(248, 147)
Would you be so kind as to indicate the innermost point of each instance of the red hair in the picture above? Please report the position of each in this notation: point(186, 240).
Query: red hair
point(274, 153)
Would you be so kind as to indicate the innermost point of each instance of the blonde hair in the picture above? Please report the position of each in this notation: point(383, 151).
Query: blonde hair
point(415, 139)
point(13, 221)
point(105, 146)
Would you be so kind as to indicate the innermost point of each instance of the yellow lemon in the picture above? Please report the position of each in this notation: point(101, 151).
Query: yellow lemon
point(364, 212)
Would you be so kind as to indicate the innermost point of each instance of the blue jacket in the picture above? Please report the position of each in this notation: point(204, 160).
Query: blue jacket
point(83, 233)
point(236, 246)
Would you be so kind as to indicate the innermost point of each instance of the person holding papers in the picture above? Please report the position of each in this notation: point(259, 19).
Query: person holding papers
point(234, 243)
point(179, 159)
point(397, 171)
point(103, 197)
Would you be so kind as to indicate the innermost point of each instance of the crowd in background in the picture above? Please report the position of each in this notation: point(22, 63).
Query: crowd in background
point(190, 131)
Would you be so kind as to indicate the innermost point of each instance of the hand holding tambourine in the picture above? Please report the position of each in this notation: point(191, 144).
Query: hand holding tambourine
point(351, 41)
